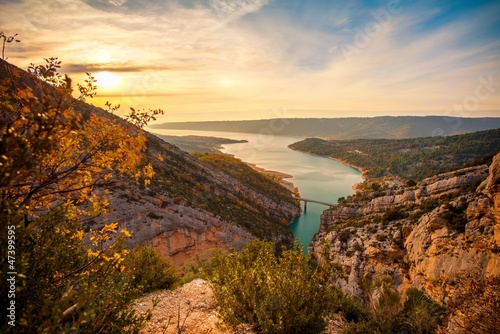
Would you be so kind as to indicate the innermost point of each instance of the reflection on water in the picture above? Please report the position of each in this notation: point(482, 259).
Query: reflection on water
point(316, 177)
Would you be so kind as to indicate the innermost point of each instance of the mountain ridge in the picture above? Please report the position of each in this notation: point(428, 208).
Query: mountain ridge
point(387, 127)
point(189, 206)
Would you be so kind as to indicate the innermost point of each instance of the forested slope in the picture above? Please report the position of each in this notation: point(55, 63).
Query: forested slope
point(414, 158)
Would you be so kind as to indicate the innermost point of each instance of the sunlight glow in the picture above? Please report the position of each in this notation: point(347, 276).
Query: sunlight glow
point(107, 79)
point(226, 82)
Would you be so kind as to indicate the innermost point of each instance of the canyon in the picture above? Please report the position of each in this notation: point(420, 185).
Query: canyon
point(428, 236)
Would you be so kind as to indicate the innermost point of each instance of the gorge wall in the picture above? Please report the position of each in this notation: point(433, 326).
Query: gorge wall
point(423, 236)
point(182, 219)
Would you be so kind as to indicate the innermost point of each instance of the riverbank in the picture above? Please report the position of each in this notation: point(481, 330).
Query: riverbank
point(279, 176)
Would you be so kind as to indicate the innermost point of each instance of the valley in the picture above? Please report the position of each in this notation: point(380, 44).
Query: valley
point(422, 220)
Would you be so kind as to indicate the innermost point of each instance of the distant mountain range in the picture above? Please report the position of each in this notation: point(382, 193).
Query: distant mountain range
point(388, 127)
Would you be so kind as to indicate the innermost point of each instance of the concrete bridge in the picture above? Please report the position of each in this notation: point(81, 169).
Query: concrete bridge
point(305, 200)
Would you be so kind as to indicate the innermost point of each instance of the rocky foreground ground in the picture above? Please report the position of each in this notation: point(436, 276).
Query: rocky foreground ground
point(190, 309)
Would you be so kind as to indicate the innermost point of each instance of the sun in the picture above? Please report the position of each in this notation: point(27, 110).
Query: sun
point(106, 79)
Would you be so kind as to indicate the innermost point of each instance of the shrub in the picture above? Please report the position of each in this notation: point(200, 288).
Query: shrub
point(71, 288)
point(344, 235)
point(153, 215)
point(420, 313)
point(357, 247)
point(394, 214)
point(455, 216)
point(410, 183)
point(285, 294)
point(148, 270)
point(202, 265)
point(475, 303)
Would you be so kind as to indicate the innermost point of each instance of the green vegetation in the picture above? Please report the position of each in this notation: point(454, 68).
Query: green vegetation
point(455, 216)
point(67, 287)
point(240, 171)
point(419, 315)
point(189, 183)
point(148, 270)
point(285, 293)
point(411, 159)
point(394, 214)
point(199, 143)
point(53, 161)
point(475, 305)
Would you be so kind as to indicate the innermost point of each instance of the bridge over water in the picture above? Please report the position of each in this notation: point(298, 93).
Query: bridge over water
point(306, 200)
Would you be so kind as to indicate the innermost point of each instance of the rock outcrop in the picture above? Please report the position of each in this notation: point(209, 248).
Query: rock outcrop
point(169, 217)
point(420, 236)
point(178, 232)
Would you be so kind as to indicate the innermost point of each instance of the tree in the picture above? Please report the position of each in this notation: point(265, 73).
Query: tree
point(55, 165)
point(7, 39)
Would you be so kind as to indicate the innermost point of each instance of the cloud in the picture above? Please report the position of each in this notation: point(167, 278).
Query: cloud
point(234, 9)
point(288, 53)
point(124, 67)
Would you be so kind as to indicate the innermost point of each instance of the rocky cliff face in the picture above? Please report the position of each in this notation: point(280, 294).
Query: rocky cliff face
point(191, 207)
point(445, 226)
point(177, 231)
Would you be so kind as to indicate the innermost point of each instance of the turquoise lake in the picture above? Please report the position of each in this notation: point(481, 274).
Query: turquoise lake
point(317, 178)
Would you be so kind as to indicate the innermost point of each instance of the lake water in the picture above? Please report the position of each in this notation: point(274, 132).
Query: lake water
point(316, 177)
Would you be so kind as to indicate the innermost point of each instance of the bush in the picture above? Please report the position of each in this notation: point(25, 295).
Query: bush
point(410, 183)
point(344, 235)
point(475, 303)
point(286, 294)
point(394, 214)
point(419, 315)
point(456, 217)
point(67, 287)
point(148, 270)
point(202, 265)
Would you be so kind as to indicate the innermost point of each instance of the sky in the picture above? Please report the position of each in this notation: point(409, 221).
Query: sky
point(204, 60)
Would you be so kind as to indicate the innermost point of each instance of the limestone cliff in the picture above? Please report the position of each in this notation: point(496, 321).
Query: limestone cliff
point(191, 207)
point(422, 236)
point(177, 231)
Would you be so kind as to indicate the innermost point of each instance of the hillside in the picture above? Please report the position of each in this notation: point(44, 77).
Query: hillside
point(391, 249)
point(441, 235)
point(413, 159)
point(189, 206)
point(347, 128)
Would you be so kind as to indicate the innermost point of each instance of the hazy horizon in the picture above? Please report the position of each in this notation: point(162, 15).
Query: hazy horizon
point(496, 115)
point(203, 60)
